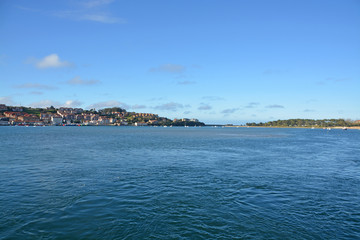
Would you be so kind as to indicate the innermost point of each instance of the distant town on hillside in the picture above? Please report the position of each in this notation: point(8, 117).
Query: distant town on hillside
point(116, 116)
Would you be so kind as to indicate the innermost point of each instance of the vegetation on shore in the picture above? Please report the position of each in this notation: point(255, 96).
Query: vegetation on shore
point(307, 123)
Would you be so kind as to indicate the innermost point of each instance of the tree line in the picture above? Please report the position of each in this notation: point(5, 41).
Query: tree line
point(307, 123)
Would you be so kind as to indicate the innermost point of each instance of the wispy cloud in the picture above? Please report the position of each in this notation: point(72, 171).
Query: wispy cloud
point(213, 98)
point(35, 86)
point(7, 100)
point(84, 15)
point(73, 103)
point(204, 107)
point(311, 100)
point(186, 82)
point(101, 17)
point(275, 106)
point(96, 3)
point(330, 80)
point(321, 83)
point(252, 105)
point(50, 61)
point(171, 106)
point(271, 72)
point(36, 93)
point(309, 110)
point(3, 59)
point(197, 66)
point(78, 81)
point(110, 103)
point(28, 9)
point(187, 112)
point(169, 68)
point(94, 10)
point(229, 110)
point(45, 103)
point(137, 106)
point(334, 79)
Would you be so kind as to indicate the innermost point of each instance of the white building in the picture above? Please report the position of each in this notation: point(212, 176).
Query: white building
point(56, 120)
point(140, 124)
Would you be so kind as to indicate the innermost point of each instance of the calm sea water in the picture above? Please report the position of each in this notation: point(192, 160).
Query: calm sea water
point(179, 183)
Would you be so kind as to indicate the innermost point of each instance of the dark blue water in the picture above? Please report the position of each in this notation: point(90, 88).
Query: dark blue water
point(179, 183)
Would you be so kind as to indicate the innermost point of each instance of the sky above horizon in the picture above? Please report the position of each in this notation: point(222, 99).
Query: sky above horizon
point(233, 61)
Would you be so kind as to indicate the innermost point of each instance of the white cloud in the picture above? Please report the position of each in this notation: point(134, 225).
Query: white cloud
point(170, 68)
point(7, 100)
point(73, 103)
point(45, 103)
point(51, 61)
point(110, 103)
point(78, 81)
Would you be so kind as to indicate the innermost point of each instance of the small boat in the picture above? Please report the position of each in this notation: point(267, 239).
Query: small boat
point(344, 128)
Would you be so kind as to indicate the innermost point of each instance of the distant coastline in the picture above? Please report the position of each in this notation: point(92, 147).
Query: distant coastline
point(116, 116)
point(307, 127)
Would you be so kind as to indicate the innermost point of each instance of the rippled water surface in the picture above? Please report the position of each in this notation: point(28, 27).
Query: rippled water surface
point(179, 183)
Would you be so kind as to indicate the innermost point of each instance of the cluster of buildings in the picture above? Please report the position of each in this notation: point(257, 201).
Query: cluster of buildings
point(10, 115)
point(19, 118)
point(61, 116)
point(24, 118)
point(78, 116)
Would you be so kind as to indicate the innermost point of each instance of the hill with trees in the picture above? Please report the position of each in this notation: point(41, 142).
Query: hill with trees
point(307, 123)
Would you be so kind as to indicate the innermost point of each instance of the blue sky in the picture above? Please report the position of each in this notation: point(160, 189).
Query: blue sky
point(229, 61)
